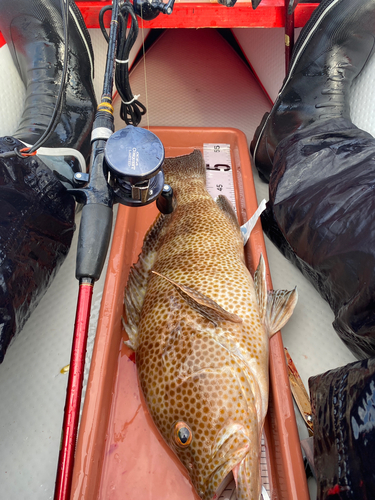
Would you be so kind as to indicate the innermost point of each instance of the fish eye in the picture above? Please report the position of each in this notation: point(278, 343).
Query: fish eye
point(182, 434)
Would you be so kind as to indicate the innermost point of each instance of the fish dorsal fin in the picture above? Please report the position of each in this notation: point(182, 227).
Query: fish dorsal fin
point(225, 205)
point(275, 306)
point(138, 277)
point(205, 306)
point(280, 306)
point(260, 284)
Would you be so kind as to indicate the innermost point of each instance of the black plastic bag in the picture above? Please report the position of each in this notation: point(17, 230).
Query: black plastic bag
point(343, 405)
point(36, 230)
point(321, 215)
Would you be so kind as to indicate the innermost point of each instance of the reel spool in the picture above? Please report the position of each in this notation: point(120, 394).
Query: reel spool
point(134, 157)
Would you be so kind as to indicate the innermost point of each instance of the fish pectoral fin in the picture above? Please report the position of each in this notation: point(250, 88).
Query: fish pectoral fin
point(260, 285)
point(280, 306)
point(202, 304)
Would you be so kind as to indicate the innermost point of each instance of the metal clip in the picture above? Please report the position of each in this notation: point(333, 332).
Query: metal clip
point(140, 191)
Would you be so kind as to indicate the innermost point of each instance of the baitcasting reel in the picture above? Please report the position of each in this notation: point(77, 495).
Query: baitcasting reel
point(134, 157)
point(150, 9)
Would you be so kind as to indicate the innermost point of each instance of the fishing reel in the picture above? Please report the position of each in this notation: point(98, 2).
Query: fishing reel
point(134, 157)
point(150, 9)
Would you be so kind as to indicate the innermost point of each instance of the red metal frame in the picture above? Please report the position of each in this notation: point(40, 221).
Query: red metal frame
point(269, 14)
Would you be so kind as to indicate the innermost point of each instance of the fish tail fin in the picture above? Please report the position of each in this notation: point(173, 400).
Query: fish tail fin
point(275, 306)
point(181, 168)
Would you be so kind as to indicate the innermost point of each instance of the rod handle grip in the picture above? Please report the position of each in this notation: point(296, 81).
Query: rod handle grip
point(93, 240)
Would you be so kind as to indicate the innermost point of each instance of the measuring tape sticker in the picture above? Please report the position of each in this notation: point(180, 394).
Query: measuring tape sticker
point(219, 178)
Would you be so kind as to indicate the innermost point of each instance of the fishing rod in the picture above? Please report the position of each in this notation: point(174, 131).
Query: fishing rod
point(97, 212)
point(290, 6)
point(125, 168)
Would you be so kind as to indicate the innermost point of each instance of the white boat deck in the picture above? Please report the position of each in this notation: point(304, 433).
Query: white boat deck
point(190, 78)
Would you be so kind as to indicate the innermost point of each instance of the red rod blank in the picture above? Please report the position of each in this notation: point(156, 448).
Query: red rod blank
point(73, 393)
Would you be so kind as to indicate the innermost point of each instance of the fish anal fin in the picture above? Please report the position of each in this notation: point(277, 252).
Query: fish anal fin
point(202, 304)
point(280, 306)
point(260, 285)
point(225, 206)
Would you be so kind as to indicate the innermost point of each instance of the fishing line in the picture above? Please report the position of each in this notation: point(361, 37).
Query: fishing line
point(145, 73)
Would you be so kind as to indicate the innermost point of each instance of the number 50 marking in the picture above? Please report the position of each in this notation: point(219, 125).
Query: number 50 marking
point(218, 166)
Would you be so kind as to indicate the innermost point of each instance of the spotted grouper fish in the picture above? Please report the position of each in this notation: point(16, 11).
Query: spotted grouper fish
point(200, 327)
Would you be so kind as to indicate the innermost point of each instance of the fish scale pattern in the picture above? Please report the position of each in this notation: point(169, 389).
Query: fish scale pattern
point(213, 379)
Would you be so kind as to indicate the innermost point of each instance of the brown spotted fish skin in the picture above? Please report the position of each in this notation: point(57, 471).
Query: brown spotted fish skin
point(200, 368)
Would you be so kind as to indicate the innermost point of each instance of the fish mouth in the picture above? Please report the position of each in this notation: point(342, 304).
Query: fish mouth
point(225, 484)
point(230, 449)
point(229, 485)
point(235, 454)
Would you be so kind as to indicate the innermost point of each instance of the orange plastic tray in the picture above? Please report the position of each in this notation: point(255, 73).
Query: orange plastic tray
point(120, 454)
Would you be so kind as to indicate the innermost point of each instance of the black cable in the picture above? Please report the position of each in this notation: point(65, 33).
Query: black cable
point(101, 21)
point(111, 40)
point(57, 109)
point(131, 109)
